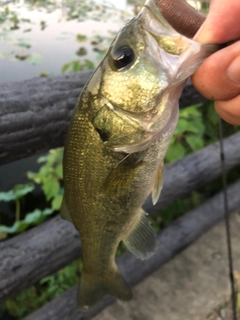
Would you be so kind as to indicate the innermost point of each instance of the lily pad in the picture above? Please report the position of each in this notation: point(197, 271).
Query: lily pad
point(34, 59)
point(21, 57)
point(24, 45)
point(81, 51)
point(81, 38)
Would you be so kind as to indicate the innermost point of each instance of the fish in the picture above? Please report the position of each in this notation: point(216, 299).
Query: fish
point(118, 136)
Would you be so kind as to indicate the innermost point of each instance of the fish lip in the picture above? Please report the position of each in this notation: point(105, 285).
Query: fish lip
point(151, 7)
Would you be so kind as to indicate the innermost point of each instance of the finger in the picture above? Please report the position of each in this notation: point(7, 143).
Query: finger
point(229, 110)
point(218, 78)
point(222, 23)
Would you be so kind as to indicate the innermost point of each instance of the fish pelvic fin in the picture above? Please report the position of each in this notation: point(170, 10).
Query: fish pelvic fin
point(64, 212)
point(158, 183)
point(93, 287)
point(141, 240)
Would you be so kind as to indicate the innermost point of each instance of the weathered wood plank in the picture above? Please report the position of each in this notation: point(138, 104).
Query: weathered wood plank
point(170, 241)
point(34, 114)
point(41, 251)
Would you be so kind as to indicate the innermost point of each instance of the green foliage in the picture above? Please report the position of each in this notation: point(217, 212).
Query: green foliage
point(63, 279)
point(81, 38)
point(43, 25)
point(10, 18)
point(49, 178)
point(77, 65)
point(30, 219)
point(17, 192)
point(24, 44)
point(46, 290)
point(34, 59)
point(193, 132)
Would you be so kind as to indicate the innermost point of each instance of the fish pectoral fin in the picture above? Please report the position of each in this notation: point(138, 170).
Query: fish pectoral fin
point(93, 287)
point(141, 241)
point(121, 177)
point(64, 212)
point(158, 183)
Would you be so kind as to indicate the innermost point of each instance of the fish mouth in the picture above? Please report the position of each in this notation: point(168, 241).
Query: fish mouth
point(177, 56)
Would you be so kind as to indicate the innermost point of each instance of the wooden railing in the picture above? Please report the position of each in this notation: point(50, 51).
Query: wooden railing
point(33, 118)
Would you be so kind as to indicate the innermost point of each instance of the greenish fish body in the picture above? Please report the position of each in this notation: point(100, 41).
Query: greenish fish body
point(118, 136)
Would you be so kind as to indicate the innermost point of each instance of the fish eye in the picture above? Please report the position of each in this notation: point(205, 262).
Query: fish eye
point(122, 57)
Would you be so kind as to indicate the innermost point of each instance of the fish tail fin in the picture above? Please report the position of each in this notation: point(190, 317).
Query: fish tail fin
point(93, 287)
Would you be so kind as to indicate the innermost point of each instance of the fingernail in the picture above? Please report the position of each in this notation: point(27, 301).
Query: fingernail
point(233, 71)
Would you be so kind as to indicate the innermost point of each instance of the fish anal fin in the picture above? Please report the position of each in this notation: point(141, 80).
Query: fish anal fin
point(64, 212)
point(93, 287)
point(141, 240)
point(158, 183)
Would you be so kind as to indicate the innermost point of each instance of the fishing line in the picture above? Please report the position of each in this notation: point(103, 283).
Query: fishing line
point(227, 223)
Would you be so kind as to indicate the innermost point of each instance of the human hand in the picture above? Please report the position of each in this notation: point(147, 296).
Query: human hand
point(218, 78)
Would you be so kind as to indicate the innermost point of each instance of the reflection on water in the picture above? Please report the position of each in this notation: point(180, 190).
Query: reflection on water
point(41, 39)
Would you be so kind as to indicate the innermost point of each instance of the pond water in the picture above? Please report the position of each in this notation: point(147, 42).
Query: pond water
point(38, 39)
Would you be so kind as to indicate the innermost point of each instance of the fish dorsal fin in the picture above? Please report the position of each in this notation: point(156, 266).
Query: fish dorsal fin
point(64, 212)
point(158, 183)
point(141, 240)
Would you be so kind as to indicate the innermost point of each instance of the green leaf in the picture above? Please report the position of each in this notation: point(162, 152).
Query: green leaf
point(76, 66)
point(7, 196)
point(17, 192)
point(56, 202)
point(50, 188)
point(212, 115)
point(25, 20)
point(47, 212)
point(42, 159)
point(191, 111)
point(175, 151)
point(34, 59)
point(199, 126)
point(89, 64)
point(59, 171)
point(34, 176)
point(185, 126)
point(66, 66)
point(81, 38)
point(17, 227)
point(195, 142)
point(24, 45)
point(33, 217)
point(21, 190)
point(44, 74)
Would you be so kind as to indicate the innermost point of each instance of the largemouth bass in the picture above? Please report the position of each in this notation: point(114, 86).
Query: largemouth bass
point(118, 136)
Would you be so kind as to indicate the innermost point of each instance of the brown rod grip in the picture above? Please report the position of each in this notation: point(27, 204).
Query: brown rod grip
point(182, 17)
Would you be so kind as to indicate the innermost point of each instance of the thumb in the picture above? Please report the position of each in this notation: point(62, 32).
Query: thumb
point(218, 78)
point(222, 23)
